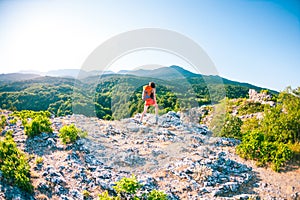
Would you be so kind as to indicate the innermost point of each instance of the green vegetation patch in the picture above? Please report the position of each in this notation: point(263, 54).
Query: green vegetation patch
point(255, 146)
point(69, 134)
point(13, 164)
point(35, 122)
point(127, 185)
point(248, 107)
point(129, 188)
point(3, 122)
point(267, 140)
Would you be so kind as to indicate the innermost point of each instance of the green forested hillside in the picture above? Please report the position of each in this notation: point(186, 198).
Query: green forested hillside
point(115, 96)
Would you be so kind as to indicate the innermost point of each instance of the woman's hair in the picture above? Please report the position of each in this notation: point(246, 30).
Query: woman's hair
point(152, 84)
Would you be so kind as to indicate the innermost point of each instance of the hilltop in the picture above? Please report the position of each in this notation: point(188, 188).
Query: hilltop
point(177, 156)
point(180, 156)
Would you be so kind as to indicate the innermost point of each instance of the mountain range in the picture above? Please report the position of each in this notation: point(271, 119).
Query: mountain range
point(109, 95)
point(165, 73)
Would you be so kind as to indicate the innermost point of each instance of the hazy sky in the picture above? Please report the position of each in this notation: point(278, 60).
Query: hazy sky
point(249, 41)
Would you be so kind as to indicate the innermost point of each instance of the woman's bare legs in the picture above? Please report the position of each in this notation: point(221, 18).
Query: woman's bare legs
point(144, 112)
point(156, 113)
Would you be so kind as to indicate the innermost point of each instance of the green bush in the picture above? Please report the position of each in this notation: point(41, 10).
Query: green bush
point(157, 195)
point(3, 122)
point(105, 196)
point(250, 107)
point(29, 114)
point(263, 140)
point(255, 146)
point(39, 160)
point(250, 124)
point(282, 123)
point(127, 185)
point(223, 123)
point(13, 121)
point(38, 125)
point(127, 188)
point(69, 134)
point(219, 114)
point(35, 122)
point(13, 164)
point(232, 127)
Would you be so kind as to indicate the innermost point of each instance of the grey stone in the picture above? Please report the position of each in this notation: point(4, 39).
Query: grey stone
point(167, 132)
point(105, 175)
point(156, 153)
point(221, 154)
point(51, 142)
point(243, 197)
point(43, 186)
point(44, 136)
point(217, 192)
point(64, 197)
point(132, 127)
point(76, 194)
point(58, 180)
point(233, 186)
point(60, 190)
point(45, 173)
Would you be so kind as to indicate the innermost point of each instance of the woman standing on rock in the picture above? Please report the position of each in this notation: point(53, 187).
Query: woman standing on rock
point(149, 96)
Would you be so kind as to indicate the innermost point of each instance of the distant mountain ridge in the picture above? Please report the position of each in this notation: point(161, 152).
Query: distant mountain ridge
point(172, 72)
point(68, 73)
point(76, 73)
point(17, 77)
point(164, 73)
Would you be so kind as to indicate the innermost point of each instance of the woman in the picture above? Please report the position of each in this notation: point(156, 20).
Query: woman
point(149, 96)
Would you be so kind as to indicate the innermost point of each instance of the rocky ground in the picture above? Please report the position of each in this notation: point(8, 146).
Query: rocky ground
point(177, 156)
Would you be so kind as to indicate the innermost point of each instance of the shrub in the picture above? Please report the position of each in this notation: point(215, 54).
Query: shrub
point(13, 164)
point(26, 114)
point(226, 125)
point(127, 188)
point(13, 121)
point(82, 134)
point(3, 122)
point(105, 196)
point(69, 134)
point(250, 107)
point(281, 123)
point(39, 160)
point(250, 124)
point(38, 125)
point(255, 146)
point(232, 127)
point(127, 185)
point(38, 121)
point(219, 115)
point(157, 195)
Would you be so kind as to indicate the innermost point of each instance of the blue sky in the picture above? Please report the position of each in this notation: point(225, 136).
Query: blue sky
point(249, 41)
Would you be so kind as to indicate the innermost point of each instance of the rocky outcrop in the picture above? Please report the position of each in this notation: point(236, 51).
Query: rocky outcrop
point(176, 156)
point(261, 97)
